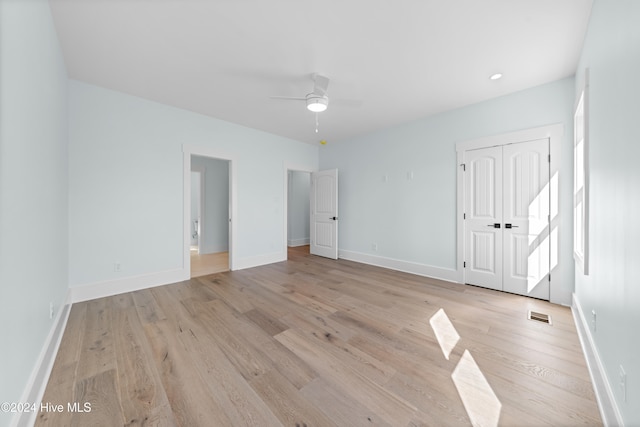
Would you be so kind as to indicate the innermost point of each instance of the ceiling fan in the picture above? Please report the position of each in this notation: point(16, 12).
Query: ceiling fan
point(317, 101)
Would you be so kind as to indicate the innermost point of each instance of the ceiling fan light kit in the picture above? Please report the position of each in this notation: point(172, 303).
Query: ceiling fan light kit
point(318, 100)
point(317, 103)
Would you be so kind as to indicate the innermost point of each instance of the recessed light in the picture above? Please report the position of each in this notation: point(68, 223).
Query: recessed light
point(496, 76)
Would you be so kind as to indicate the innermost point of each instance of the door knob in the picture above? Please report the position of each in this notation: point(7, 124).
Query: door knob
point(510, 226)
point(495, 225)
point(334, 218)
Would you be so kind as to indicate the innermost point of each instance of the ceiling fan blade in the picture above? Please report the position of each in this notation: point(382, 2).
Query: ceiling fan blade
point(321, 83)
point(288, 98)
point(353, 103)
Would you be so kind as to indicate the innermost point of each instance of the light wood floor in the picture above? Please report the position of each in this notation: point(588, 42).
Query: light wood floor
point(202, 265)
point(316, 342)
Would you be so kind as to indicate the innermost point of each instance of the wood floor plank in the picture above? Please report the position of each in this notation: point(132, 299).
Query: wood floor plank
point(341, 407)
point(321, 325)
point(61, 386)
point(435, 407)
point(413, 362)
point(148, 309)
point(318, 342)
point(552, 371)
point(230, 287)
point(192, 289)
point(244, 354)
point(270, 325)
point(315, 286)
point(289, 406)
point(97, 344)
point(187, 392)
point(226, 385)
point(391, 408)
point(539, 409)
point(100, 393)
point(143, 398)
point(356, 359)
point(261, 351)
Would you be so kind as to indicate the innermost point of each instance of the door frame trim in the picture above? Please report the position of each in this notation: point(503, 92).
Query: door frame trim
point(554, 132)
point(285, 209)
point(189, 150)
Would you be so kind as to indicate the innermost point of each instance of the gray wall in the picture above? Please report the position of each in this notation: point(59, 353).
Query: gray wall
point(119, 210)
point(33, 188)
point(126, 184)
point(215, 226)
point(414, 220)
point(612, 288)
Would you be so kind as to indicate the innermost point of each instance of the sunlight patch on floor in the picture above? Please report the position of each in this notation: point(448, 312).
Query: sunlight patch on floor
point(480, 401)
point(446, 333)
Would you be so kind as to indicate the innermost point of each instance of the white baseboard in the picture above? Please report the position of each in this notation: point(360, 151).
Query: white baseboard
point(604, 394)
point(256, 261)
point(449, 275)
point(298, 242)
point(34, 391)
point(127, 284)
point(109, 288)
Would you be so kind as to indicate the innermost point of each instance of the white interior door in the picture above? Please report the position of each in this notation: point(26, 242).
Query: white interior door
point(324, 213)
point(507, 218)
point(526, 218)
point(483, 217)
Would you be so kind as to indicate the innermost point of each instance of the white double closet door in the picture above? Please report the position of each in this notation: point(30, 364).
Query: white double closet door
point(507, 218)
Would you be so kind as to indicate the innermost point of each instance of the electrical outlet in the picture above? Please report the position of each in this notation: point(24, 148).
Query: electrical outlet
point(593, 320)
point(51, 310)
point(116, 266)
point(623, 383)
point(374, 247)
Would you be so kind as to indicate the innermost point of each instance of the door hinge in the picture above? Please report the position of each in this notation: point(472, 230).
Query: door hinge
point(464, 216)
point(549, 277)
point(464, 264)
point(464, 167)
point(549, 158)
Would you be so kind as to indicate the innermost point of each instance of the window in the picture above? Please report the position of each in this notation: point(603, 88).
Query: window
point(581, 180)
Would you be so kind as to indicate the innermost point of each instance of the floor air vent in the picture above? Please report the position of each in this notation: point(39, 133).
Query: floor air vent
point(539, 317)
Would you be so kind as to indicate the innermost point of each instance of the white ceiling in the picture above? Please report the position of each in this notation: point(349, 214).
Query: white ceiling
point(402, 60)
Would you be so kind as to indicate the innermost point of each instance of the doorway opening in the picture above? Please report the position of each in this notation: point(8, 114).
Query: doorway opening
point(320, 194)
point(209, 220)
point(298, 214)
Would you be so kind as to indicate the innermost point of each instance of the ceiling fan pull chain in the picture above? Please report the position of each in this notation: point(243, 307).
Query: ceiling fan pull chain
point(316, 122)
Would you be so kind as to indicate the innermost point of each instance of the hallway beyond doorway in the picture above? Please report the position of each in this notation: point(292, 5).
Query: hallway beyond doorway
point(202, 265)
